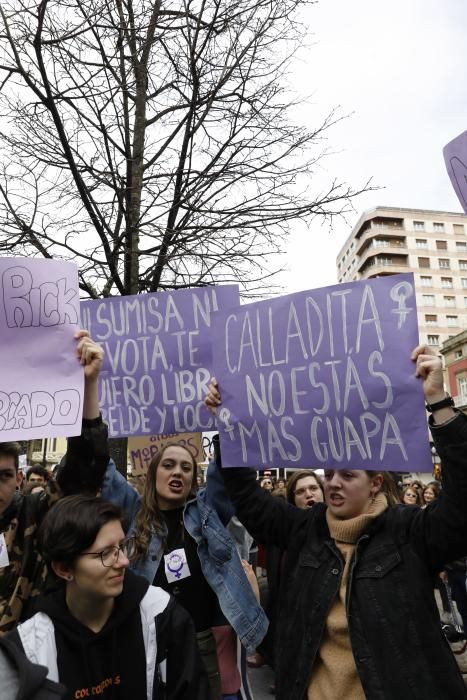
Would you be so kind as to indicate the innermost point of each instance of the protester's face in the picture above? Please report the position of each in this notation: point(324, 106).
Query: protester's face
point(410, 497)
point(37, 480)
point(307, 492)
point(349, 492)
point(88, 577)
point(429, 495)
point(267, 484)
point(174, 477)
point(9, 480)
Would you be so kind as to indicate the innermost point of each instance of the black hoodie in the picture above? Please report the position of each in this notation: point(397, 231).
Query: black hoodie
point(111, 664)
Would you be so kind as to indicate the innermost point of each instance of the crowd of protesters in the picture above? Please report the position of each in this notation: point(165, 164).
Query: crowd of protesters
point(153, 593)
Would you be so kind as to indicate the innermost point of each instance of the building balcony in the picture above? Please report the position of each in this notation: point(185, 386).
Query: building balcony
point(374, 261)
point(373, 232)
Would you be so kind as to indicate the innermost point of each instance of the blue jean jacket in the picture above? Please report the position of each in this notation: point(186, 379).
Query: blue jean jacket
point(217, 553)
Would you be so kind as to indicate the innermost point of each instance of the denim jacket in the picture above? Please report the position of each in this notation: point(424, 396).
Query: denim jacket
point(217, 553)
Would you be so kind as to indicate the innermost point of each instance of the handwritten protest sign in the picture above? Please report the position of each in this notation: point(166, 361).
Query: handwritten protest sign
point(41, 392)
point(455, 157)
point(157, 358)
point(141, 450)
point(323, 379)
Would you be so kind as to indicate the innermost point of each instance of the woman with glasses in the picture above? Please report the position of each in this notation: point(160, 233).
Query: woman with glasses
point(106, 631)
point(411, 496)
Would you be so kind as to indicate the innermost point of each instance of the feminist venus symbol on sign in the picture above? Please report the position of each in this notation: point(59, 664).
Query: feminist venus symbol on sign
point(323, 379)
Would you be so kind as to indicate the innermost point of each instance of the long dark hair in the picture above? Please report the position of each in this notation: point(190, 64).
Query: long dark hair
point(149, 518)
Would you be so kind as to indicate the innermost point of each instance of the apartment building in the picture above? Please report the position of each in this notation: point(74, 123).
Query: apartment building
point(432, 245)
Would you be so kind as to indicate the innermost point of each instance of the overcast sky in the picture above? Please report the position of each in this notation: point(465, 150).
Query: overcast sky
point(400, 68)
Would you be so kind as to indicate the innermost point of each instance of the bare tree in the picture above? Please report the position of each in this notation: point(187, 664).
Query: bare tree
point(154, 143)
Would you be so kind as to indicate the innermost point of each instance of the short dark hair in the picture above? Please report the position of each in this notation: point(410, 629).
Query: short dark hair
point(296, 476)
point(11, 449)
point(71, 526)
point(41, 471)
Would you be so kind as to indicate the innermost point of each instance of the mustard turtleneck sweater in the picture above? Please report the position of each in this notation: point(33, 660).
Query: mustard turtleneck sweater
point(334, 674)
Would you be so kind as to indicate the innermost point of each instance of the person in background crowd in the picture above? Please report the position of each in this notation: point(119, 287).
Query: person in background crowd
point(431, 492)
point(105, 631)
point(304, 489)
point(22, 570)
point(183, 547)
point(267, 484)
point(38, 476)
point(357, 614)
point(411, 496)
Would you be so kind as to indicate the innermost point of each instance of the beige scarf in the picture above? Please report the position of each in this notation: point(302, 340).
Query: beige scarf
point(334, 674)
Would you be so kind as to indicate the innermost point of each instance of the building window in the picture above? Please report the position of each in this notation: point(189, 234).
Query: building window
point(426, 281)
point(423, 262)
point(441, 245)
point(462, 384)
point(458, 354)
point(433, 340)
point(444, 263)
point(419, 225)
point(446, 282)
point(450, 301)
point(464, 282)
point(428, 299)
point(37, 445)
point(452, 321)
point(431, 319)
point(462, 264)
point(421, 243)
point(438, 226)
point(461, 246)
point(465, 302)
point(458, 228)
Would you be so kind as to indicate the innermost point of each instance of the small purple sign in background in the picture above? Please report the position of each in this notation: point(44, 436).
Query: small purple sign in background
point(455, 157)
point(41, 390)
point(158, 358)
point(323, 379)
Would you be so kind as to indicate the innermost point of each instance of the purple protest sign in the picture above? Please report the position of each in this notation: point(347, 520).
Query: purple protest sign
point(455, 157)
point(157, 358)
point(41, 391)
point(323, 379)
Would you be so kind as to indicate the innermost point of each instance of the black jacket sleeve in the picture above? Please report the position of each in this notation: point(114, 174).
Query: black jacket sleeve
point(83, 467)
point(268, 519)
point(439, 531)
point(31, 678)
point(186, 677)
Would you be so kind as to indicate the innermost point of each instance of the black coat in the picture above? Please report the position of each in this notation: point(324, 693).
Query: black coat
point(399, 649)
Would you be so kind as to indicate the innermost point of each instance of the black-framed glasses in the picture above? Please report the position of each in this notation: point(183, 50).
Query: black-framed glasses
point(109, 556)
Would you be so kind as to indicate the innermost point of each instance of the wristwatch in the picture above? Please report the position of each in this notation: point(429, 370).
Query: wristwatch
point(447, 402)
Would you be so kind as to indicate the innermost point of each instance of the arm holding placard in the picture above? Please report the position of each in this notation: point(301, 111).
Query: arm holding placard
point(439, 531)
point(269, 520)
point(83, 467)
